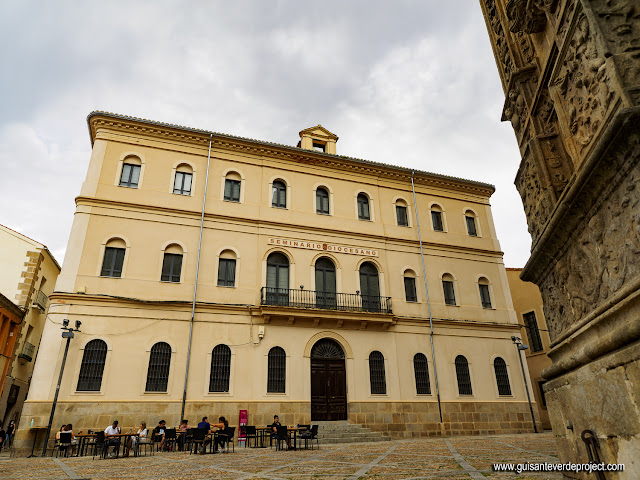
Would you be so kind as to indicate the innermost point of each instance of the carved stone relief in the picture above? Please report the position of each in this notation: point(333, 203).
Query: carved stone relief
point(525, 16)
point(537, 201)
point(565, 23)
point(582, 85)
point(557, 162)
point(504, 55)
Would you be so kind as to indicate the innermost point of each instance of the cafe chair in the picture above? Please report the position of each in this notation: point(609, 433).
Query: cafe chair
point(100, 445)
point(144, 443)
point(250, 433)
point(63, 444)
point(310, 436)
point(199, 434)
point(282, 434)
point(186, 439)
point(170, 439)
point(230, 432)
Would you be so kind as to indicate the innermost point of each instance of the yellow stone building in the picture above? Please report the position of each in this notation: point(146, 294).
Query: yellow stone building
point(310, 298)
point(28, 275)
point(527, 303)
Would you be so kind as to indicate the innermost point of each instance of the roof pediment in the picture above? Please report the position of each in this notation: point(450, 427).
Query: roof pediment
point(318, 131)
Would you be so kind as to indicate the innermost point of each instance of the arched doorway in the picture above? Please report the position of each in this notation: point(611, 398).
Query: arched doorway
point(328, 381)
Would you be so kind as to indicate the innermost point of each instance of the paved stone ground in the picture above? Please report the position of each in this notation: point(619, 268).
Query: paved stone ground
point(443, 458)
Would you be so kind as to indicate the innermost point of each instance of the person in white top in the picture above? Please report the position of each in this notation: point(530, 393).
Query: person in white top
point(133, 441)
point(110, 431)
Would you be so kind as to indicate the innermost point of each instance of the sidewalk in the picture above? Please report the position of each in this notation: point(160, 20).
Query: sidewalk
point(443, 458)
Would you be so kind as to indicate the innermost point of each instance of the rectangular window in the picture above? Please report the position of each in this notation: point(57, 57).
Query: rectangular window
point(542, 397)
point(531, 324)
point(171, 267)
point(410, 289)
point(232, 190)
point(449, 292)
point(401, 215)
point(318, 147)
point(436, 218)
point(322, 202)
point(471, 226)
point(484, 296)
point(227, 272)
point(112, 262)
point(130, 175)
point(182, 184)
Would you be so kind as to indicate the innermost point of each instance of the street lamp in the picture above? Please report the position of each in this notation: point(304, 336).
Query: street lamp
point(68, 334)
point(521, 347)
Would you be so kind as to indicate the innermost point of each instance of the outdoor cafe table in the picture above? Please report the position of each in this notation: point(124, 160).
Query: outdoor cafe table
point(264, 431)
point(83, 436)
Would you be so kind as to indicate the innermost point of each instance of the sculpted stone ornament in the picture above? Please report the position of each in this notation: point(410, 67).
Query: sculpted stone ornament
point(525, 16)
point(500, 40)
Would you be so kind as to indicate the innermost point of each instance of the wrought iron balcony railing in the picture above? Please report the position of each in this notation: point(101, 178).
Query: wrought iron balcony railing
point(345, 302)
point(40, 300)
point(27, 352)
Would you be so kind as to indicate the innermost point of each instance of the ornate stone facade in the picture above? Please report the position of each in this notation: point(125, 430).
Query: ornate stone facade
point(573, 105)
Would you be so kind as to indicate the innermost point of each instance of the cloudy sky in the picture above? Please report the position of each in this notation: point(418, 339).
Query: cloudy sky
point(408, 82)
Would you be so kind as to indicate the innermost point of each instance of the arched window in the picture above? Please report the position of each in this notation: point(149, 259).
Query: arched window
point(220, 369)
point(130, 175)
point(232, 184)
point(113, 258)
point(502, 377)
point(227, 269)
point(376, 373)
point(322, 201)
point(325, 283)
point(485, 296)
point(402, 215)
point(363, 207)
point(463, 376)
point(277, 279)
point(279, 194)
point(449, 291)
point(183, 180)
point(369, 287)
point(277, 370)
point(159, 363)
point(172, 264)
point(470, 218)
point(410, 294)
point(92, 367)
point(421, 370)
point(436, 218)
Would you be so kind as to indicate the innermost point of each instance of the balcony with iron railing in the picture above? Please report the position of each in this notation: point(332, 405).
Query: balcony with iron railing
point(28, 351)
point(40, 300)
point(341, 302)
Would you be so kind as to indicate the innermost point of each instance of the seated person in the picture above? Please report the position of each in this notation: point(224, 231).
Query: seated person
point(133, 440)
point(205, 425)
point(274, 430)
point(182, 433)
point(61, 430)
point(109, 432)
point(158, 433)
point(74, 440)
point(222, 426)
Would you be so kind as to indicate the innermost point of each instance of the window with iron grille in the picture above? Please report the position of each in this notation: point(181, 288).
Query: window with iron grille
point(421, 370)
point(279, 194)
point(322, 201)
point(542, 397)
point(171, 267)
point(112, 262)
point(449, 292)
point(226, 272)
point(533, 332)
point(92, 367)
point(463, 376)
point(376, 373)
point(277, 370)
point(130, 175)
point(220, 369)
point(182, 184)
point(484, 295)
point(159, 363)
point(436, 218)
point(363, 207)
point(471, 225)
point(401, 216)
point(232, 190)
point(410, 289)
point(502, 377)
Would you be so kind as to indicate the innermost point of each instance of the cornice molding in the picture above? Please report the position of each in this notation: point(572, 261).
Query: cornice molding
point(138, 126)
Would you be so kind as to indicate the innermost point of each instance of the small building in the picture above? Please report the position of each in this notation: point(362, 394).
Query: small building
point(215, 273)
point(29, 273)
point(527, 303)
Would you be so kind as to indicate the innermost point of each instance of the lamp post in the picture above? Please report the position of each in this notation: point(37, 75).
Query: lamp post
point(68, 334)
point(521, 347)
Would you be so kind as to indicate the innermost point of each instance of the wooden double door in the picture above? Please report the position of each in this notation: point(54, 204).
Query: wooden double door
point(328, 389)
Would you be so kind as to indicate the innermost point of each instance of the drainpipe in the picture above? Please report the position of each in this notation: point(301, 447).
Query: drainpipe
point(426, 288)
point(195, 286)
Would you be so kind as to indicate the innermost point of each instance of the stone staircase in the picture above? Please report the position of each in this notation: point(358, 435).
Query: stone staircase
point(344, 432)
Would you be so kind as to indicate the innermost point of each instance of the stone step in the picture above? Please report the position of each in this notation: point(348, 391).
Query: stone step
point(326, 441)
point(346, 435)
point(344, 432)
